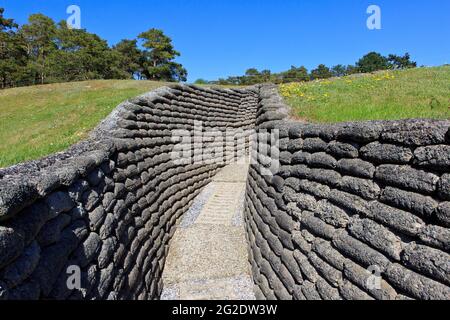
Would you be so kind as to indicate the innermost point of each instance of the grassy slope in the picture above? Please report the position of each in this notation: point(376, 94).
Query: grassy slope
point(40, 120)
point(415, 93)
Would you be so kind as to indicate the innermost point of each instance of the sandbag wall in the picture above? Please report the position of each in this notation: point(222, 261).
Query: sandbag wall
point(355, 210)
point(107, 207)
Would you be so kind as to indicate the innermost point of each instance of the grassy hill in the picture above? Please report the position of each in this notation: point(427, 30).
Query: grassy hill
point(413, 93)
point(40, 120)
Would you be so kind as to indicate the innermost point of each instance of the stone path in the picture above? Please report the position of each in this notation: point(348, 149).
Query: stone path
point(208, 255)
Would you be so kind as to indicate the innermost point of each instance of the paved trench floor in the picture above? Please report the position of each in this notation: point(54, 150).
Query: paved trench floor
point(208, 254)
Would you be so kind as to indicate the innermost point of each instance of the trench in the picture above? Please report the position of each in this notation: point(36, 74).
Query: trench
point(207, 259)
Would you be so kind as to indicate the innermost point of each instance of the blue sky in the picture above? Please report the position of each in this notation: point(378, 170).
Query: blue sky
point(222, 38)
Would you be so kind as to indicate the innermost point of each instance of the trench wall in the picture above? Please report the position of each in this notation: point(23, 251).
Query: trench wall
point(107, 207)
point(354, 211)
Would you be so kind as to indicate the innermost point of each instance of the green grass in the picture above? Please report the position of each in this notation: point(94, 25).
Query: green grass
point(40, 120)
point(414, 93)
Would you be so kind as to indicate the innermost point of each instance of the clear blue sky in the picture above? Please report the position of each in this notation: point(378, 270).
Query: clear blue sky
point(222, 38)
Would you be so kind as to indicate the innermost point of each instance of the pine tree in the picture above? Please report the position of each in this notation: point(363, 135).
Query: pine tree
point(39, 35)
point(13, 58)
point(371, 62)
point(130, 57)
point(321, 72)
point(159, 54)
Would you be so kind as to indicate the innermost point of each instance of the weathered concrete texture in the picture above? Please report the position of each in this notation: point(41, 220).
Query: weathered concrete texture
point(223, 204)
point(233, 288)
point(208, 258)
point(351, 203)
point(206, 251)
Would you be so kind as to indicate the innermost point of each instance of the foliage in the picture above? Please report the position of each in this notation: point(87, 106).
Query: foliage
point(321, 72)
point(39, 38)
point(82, 56)
point(339, 70)
point(129, 58)
point(401, 62)
point(371, 62)
point(42, 51)
point(201, 81)
point(12, 53)
point(295, 74)
point(158, 55)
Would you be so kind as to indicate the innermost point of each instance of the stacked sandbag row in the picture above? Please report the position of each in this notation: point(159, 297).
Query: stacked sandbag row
point(95, 222)
point(354, 211)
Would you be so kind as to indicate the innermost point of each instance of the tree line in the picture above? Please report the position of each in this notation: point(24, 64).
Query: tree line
point(43, 51)
point(371, 62)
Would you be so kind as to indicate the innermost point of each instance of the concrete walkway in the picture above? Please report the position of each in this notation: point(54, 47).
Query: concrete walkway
point(208, 255)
